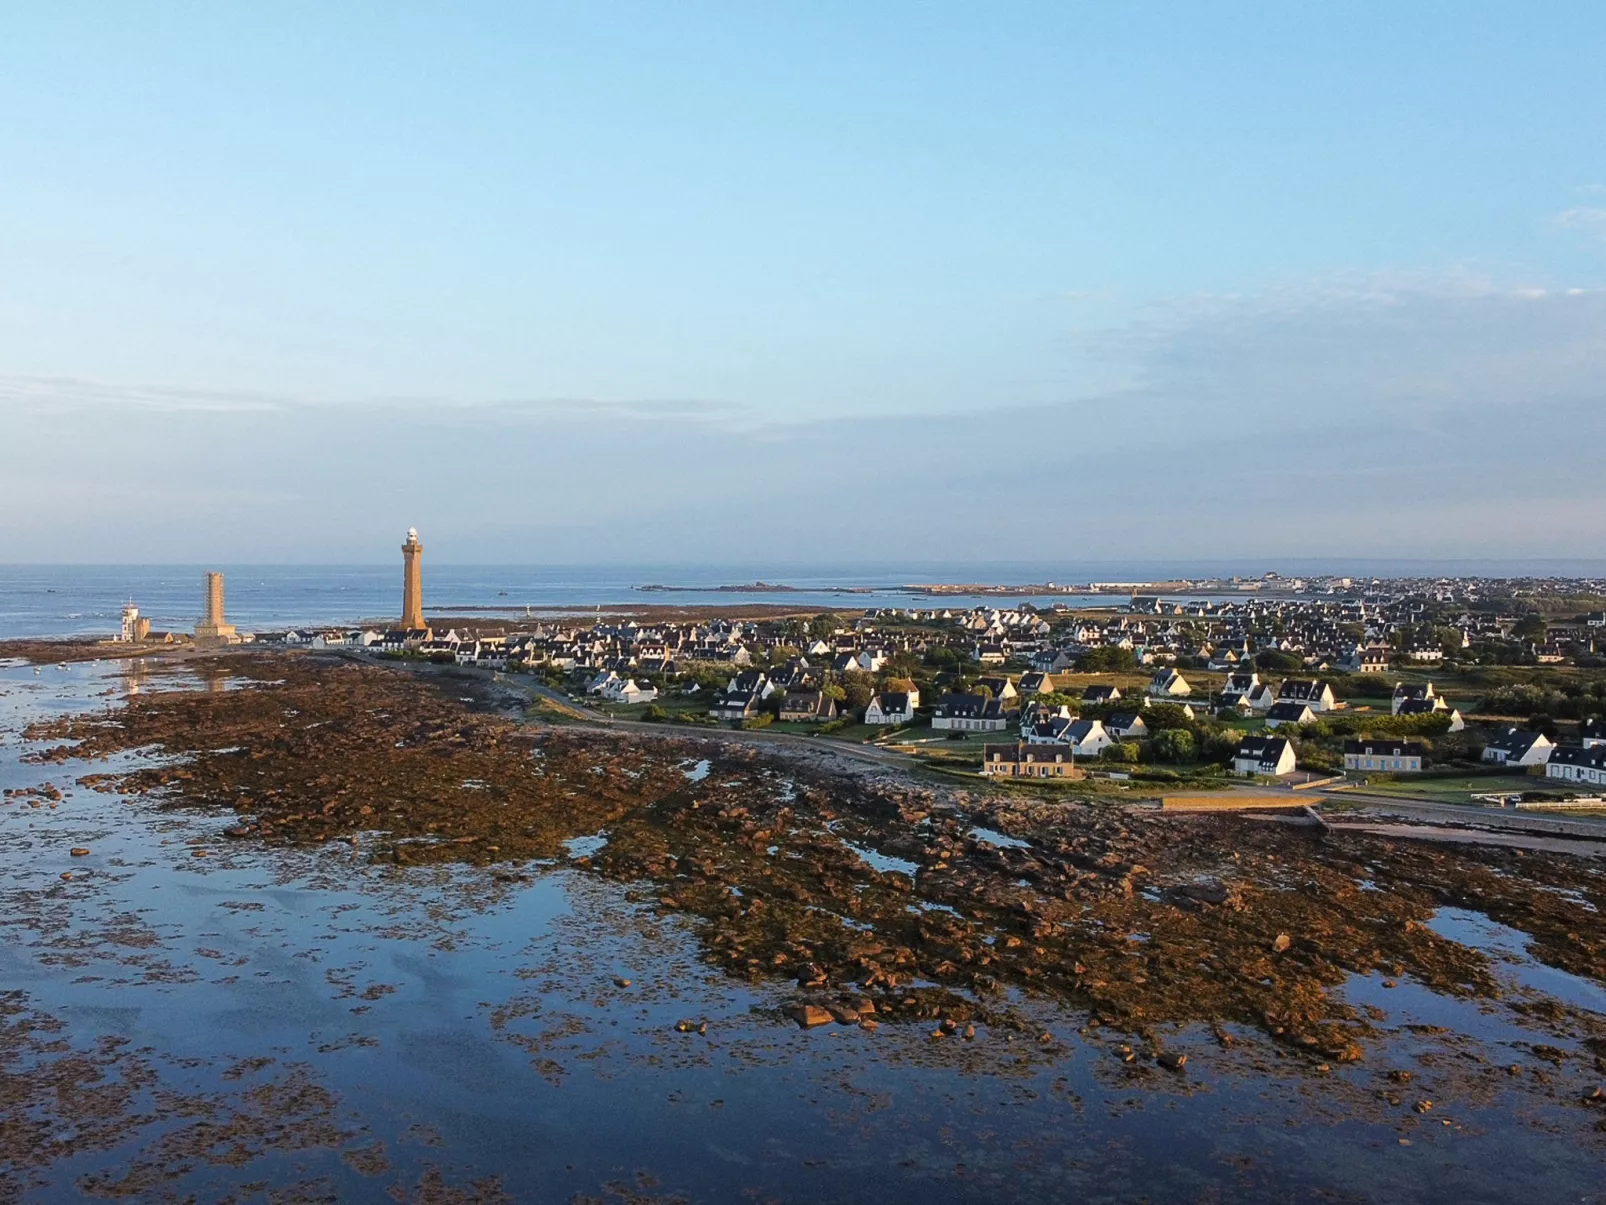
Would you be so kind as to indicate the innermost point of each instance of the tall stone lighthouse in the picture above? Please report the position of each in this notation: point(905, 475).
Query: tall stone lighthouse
point(412, 582)
point(213, 627)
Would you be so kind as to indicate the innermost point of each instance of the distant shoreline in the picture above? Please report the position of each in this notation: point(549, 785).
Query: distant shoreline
point(759, 588)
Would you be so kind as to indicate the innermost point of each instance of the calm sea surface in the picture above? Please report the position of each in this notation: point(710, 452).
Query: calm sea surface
point(76, 600)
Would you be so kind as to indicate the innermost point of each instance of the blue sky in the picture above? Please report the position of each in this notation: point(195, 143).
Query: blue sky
point(290, 276)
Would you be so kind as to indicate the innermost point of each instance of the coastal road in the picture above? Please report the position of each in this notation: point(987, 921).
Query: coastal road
point(1499, 819)
point(885, 759)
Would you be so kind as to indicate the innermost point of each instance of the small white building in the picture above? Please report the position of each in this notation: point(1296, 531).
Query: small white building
point(1290, 713)
point(625, 690)
point(1268, 755)
point(969, 713)
point(1578, 763)
point(1127, 724)
point(1168, 684)
point(1518, 747)
point(892, 707)
point(1314, 693)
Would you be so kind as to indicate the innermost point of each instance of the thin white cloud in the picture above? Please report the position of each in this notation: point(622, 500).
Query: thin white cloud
point(62, 394)
point(1588, 220)
point(1423, 415)
point(75, 394)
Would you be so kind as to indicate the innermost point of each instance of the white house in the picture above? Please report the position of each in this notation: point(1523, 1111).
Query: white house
point(1084, 738)
point(1000, 686)
point(1262, 697)
point(892, 707)
point(735, 705)
point(752, 680)
point(1269, 755)
point(1416, 694)
point(492, 654)
point(1314, 693)
point(1367, 659)
point(1127, 724)
point(1518, 747)
point(1239, 686)
point(1087, 738)
point(1036, 683)
point(970, 713)
point(625, 690)
point(1290, 713)
point(1578, 763)
point(1168, 684)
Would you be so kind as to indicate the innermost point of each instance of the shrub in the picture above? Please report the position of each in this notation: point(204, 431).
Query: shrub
point(1173, 745)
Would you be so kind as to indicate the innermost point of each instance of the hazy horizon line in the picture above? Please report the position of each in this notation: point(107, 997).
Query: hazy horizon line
point(1266, 563)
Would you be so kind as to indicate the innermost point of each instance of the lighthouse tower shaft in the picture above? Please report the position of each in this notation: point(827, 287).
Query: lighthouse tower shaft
point(412, 583)
point(214, 626)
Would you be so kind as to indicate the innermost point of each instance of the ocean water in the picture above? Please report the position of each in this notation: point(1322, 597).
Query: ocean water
point(81, 600)
point(85, 600)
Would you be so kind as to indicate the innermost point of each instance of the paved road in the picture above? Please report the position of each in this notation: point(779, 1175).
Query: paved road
point(886, 759)
point(870, 754)
point(1503, 819)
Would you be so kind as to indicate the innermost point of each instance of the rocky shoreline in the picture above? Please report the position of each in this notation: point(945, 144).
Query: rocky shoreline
point(878, 899)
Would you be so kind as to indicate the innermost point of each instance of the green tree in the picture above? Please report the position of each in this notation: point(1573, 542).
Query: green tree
point(903, 665)
point(1278, 661)
point(1159, 716)
point(1107, 660)
point(1174, 745)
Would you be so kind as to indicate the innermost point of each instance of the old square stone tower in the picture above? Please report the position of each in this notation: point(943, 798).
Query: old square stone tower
point(412, 582)
point(214, 627)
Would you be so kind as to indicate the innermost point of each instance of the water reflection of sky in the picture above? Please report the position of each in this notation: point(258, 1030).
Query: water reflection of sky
point(1514, 962)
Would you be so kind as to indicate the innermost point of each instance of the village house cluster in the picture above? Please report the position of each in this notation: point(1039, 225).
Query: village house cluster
point(987, 669)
